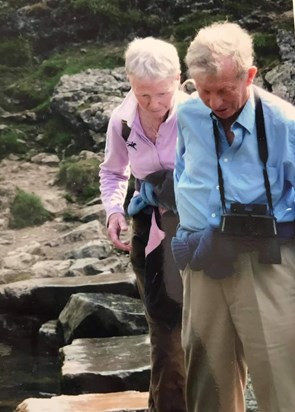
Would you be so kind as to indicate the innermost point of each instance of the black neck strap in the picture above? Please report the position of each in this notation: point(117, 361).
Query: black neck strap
point(262, 149)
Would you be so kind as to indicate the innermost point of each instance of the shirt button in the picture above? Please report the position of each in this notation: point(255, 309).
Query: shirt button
point(225, 159)
point(213, 215)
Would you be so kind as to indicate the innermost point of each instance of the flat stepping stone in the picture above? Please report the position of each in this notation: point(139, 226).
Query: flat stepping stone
point(47, 297)
point(105, 365)
point(129, 401)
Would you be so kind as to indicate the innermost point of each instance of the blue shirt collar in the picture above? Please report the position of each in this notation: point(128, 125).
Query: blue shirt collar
point(246, 118)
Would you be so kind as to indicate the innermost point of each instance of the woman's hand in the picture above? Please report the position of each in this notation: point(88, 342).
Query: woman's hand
point(117, 224)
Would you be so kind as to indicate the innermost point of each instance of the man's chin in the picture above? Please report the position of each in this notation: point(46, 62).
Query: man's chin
point(223, 114)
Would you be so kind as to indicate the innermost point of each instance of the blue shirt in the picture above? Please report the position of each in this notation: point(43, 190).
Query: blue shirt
point(196, 179)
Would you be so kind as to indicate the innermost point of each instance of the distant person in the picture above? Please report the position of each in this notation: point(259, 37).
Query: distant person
point(235, 243)
point(141, 140)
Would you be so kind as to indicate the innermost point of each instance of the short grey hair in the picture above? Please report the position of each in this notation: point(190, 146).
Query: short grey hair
point(151, 58)
point(218, 41)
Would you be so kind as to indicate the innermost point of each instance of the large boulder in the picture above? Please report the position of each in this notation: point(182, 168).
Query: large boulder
point(87, 99)
point(93, 315)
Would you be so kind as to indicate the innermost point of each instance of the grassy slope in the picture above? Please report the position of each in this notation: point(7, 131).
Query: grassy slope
point(29, 79)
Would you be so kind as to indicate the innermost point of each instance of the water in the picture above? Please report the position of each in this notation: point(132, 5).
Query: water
point(25, 373)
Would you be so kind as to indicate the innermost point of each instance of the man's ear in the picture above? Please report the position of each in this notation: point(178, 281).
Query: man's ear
point(251, 75)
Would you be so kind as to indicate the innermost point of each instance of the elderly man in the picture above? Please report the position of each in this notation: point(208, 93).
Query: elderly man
point(234, 184)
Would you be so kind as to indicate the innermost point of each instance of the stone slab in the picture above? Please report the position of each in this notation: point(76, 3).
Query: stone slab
point(105, 365)
point(130, 401)
point(47, 297)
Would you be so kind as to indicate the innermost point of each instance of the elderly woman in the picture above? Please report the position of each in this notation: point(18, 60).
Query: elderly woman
point(141, 140)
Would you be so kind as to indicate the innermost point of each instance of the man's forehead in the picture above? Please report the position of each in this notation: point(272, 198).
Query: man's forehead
point(227, 74)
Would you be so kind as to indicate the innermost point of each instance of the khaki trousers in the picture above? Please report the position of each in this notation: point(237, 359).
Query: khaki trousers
point(247, 319)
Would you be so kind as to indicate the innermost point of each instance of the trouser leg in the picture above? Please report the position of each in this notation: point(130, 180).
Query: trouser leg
point(265, 320)
point(214, 359)
point(167, 383)
point(167, 372)
point(248, 315)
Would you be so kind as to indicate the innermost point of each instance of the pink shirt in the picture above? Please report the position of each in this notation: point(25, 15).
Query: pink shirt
point(138, 155)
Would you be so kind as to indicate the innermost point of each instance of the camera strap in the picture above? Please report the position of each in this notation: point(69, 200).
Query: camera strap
point(262, 149)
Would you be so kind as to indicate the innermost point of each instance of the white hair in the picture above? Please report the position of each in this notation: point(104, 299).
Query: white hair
point(151, 58)
point(213, 43)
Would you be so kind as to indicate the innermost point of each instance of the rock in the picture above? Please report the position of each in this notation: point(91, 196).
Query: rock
point(45, 158)
point(93, 266)
point(93, 212)
point(99, 249)
point(87, 99)
point(286, 43)
point(34, 248)
point(53, 202)
point(93, 315)
point(106, 365)
point(19, 261)
point(48, 337)
point(47, 297)
point(281, 80)
point(5, 350)
point(10, 275)
point(87, 231)
point(129, 401)
point(51, 268)
point(88, 154)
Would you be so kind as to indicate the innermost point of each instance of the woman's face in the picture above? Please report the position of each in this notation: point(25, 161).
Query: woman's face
point(154, 96)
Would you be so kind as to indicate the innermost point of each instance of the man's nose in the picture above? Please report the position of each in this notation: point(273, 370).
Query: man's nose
point(215, 101)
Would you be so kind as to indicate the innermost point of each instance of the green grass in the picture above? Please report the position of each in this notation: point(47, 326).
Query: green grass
point(32, 86)
point(10, 142)
point(27, 210)
point(80, 178)
point(28, 80)
point(266, 50)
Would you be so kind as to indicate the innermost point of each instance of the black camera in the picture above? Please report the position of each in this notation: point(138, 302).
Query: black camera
point(248, 220)
point(252, 222)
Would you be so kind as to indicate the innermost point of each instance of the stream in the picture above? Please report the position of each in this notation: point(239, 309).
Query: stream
point(25, 373)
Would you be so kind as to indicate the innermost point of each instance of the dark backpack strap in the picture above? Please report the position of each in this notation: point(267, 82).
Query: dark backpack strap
point(125, 130)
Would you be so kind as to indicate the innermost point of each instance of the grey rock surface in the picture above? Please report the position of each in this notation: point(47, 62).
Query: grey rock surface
point(47, 297)
point(106, 365)
point(93, 315)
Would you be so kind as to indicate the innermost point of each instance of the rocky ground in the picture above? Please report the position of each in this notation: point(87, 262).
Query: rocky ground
point(38, 179)
point(52, 240)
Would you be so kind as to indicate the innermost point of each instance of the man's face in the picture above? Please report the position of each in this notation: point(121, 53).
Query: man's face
point(226, 93)
point(154, 96)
